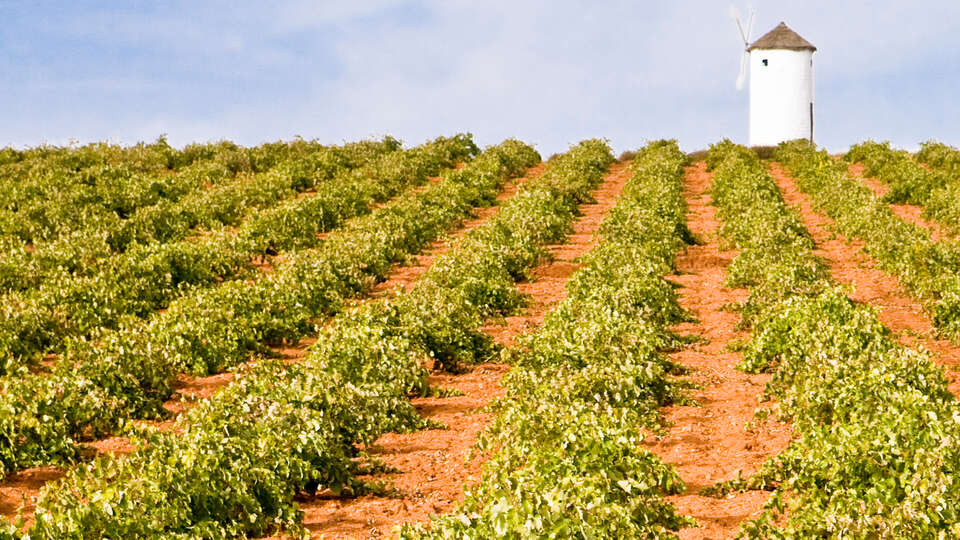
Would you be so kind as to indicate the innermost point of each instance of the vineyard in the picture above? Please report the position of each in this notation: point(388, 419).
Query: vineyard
point(446, 341)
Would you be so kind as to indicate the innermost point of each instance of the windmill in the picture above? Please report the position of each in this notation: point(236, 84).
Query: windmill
point(745, 36)
point(781, 83)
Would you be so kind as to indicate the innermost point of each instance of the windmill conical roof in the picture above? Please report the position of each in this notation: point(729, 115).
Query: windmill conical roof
point(782, 37)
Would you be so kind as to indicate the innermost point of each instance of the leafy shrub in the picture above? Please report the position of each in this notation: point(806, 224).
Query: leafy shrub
point(874, 419)
point(274, 434)
point(130, 372)
point(568, 460)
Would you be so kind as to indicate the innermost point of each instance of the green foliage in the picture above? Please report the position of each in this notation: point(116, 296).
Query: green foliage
point(775, 259)
point(233, 465)
point(213, 196)
point(99, 384)
point(940, 157)
point(568, 460)
point(936, 189)
point(929, 270)
point(147, 277)
point(232, 470)
point(873, 456)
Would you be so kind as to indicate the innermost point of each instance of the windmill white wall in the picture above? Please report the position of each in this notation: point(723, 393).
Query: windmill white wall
point(781, 96)
point(781, 86)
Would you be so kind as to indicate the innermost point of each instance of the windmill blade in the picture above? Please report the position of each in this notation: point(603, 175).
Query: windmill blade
point(743, 70)
point(745, 36)
point(735, 15)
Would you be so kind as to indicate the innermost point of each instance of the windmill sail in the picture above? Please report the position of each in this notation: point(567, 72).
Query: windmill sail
point(745, 36)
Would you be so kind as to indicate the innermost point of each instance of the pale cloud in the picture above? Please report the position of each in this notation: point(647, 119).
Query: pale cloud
point(550, 72)
point(314, 14)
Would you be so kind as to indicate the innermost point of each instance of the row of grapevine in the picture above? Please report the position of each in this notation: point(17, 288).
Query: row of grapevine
point(936, 191)
point(81, 251)
point(587, 386)
point(152, 157)
point(147, 278)
point(873, 456)
point(96, 386)
point(48, 192)
point(941, 157)
point(929, 270)
point(237, 460)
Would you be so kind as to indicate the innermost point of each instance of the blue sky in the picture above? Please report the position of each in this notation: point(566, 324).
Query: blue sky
point(549, 72)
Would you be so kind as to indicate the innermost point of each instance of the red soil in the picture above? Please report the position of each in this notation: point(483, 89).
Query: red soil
point(849, 265)
point(907, 212)
point(711, 443)
point(23, 488)
point(418, 189)
point(19, 490)
point(432, 462)
point(548, 287)
point(707, 444)
point(405, 276)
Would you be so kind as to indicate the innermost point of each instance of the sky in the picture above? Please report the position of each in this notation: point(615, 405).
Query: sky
point(549, 72)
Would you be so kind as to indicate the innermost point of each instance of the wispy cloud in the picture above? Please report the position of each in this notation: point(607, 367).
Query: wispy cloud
point(551, 72)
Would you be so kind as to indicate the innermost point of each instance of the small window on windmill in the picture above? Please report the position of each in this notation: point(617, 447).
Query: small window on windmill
point(764, 61)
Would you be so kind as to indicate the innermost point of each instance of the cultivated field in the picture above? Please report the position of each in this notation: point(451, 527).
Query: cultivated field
point(443, 341)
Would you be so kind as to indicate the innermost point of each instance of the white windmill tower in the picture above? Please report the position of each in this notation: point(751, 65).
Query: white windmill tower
point(781, 84)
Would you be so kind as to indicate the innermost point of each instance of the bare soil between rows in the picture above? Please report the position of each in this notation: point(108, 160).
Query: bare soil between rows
point(871, 285)
point(711, 443)
point(910, 213)
point(434, 465)
point(18, 491)
point(707, 444)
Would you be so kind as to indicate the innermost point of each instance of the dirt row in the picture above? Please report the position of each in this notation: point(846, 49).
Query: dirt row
point(432, 463)
point(336, 517)
point(707, 444)
point(433, 471)
point(711, 443)
point(19, 490)
point(714, 442)
point(908, 212)
point(849, 265)
point(402, 277)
